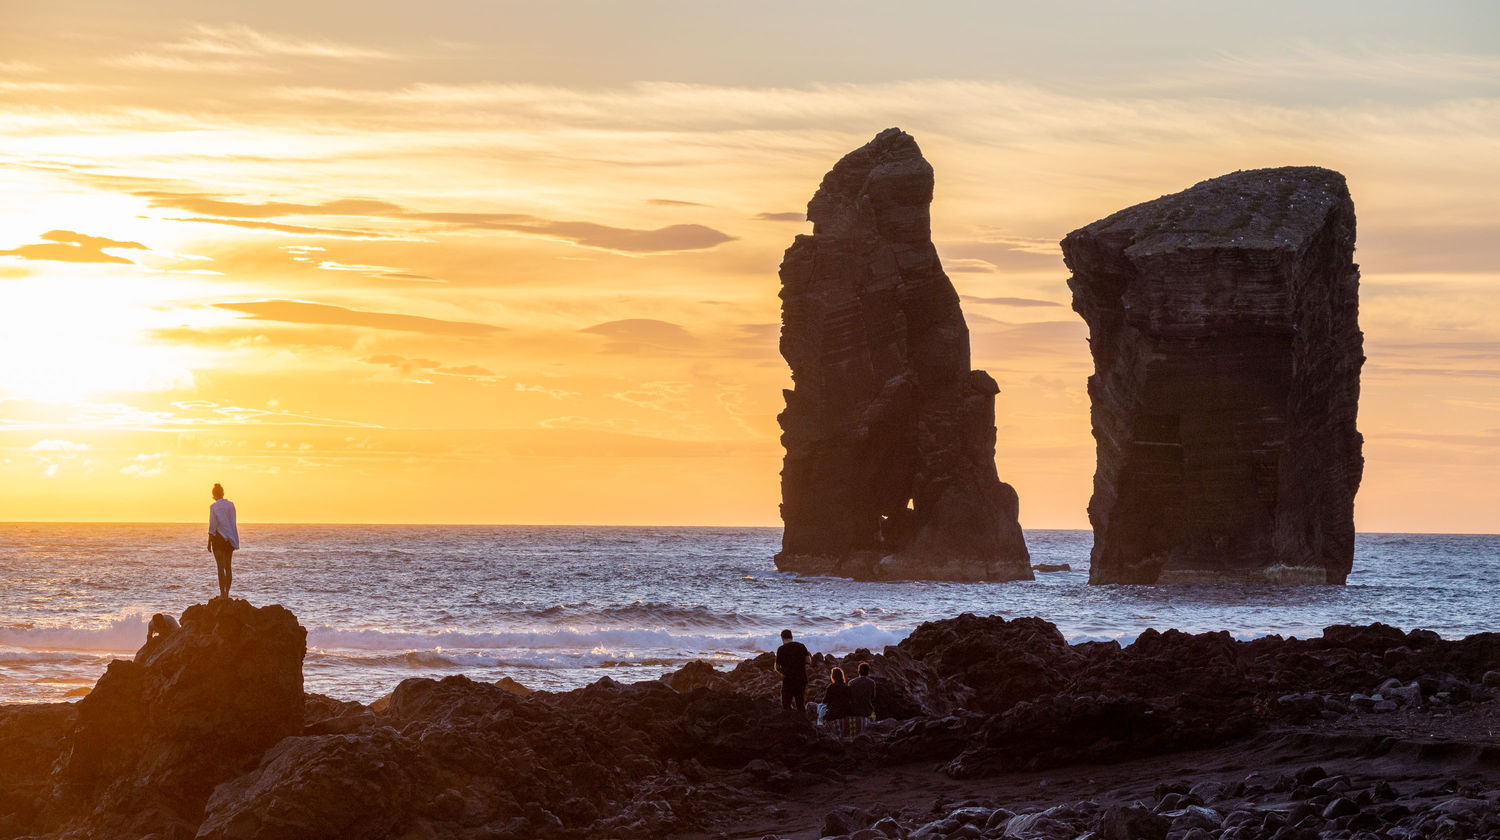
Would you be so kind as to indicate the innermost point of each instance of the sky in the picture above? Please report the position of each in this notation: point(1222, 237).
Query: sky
point(493, 262)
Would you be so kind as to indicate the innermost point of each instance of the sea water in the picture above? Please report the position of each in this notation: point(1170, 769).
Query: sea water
point(558, 608)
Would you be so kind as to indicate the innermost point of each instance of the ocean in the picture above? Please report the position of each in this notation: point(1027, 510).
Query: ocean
point(558, 608)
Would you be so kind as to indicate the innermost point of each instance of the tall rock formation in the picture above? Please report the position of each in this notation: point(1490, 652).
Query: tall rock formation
point(1223, 322)
point(889, 436)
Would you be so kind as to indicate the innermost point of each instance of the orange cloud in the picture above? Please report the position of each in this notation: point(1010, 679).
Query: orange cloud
point(304, 312)
point(69, 246)
point(681, 237)
point(635, 335)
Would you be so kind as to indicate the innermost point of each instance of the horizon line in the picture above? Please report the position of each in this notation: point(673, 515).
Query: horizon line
point(6, 522)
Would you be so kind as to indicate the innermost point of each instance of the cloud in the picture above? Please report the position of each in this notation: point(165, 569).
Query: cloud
point(636, 335)
point(430, 366)
point(248, 334)
point(69, 246)
point(211, 206)
point(590, 235)
point(304, 312)
point(953, 266)
point(241, 40)
point(683, 237)
point(554, 393)
point(1009, 301)
point(799, 216)
point(657, 396)
point(236, 48)
point(146, 466)
point(1390, 68)
point(672, 202)
point(1013, 254)
point(301, 230)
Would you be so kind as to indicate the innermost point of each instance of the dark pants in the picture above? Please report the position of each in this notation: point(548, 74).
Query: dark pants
point(793, 694)
point(223, 550)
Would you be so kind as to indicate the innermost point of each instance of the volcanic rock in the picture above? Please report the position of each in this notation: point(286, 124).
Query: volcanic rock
point(1223, 326)
point(889, 435)
point(30, 739)
point(197, 707)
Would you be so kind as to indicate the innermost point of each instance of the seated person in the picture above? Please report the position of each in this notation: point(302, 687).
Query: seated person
point(862, 698)
point(836, 701)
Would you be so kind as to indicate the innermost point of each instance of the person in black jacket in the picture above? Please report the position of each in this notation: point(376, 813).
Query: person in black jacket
point(791, 663)
point(837, 701)
point(862, 698)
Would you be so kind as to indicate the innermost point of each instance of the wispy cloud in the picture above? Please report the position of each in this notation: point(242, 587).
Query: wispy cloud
point(305, 312)
point(236, 48)
point(794, 216)
point(146, 466)
point(216, 210)
point(554, 393)
point(1009, 301)
point(69, 246)
point(431, 367)
point(637, 335)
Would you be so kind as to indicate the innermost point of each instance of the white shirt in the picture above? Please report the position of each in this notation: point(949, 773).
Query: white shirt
point(221, 521)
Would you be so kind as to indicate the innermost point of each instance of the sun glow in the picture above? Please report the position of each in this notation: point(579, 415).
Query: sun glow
point(80, 333)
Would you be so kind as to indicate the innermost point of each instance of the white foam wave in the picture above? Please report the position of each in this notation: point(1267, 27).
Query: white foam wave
point(12, 658)
point(123, 633)
point(600, 639)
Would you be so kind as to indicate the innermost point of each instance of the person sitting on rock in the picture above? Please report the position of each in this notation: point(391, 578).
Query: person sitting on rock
point(837, 702)
point(161, 626)
point(791, 663)
point(862, 698)
point(223, 537)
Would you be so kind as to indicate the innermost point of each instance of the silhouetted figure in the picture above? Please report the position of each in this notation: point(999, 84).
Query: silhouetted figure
point(837, 701)
point(791, 663)
point(223, 537)
point(161, 626)
point(862, 698)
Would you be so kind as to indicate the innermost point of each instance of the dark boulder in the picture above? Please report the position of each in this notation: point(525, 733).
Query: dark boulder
point(195, 708)
point(889, 435)
point(356, 787)
point(1227, 351)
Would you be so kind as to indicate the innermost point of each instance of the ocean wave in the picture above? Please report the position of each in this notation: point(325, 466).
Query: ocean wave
point(410, 660)
point(500, 661)
point(122, 633)
point(602, 640)
point(35, 658)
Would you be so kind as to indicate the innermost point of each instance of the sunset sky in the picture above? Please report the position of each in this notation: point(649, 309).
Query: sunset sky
point(516, 262)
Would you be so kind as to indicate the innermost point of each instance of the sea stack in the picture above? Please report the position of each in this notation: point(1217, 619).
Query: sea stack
point(889, 435)
point(1223, 322)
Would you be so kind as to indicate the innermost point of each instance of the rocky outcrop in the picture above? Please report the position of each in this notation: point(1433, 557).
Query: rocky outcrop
point(1223, 326)
point(889, 436)
point(31, 737)
point(195, 708)
point(686, 753)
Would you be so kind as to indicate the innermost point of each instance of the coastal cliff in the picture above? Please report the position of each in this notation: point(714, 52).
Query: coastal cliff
point(1223, 323)
point(889, 435)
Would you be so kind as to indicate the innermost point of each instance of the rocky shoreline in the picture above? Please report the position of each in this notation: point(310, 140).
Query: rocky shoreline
point(988, 728)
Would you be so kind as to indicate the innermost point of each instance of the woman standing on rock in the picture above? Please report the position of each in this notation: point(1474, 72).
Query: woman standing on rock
point(223, 537)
